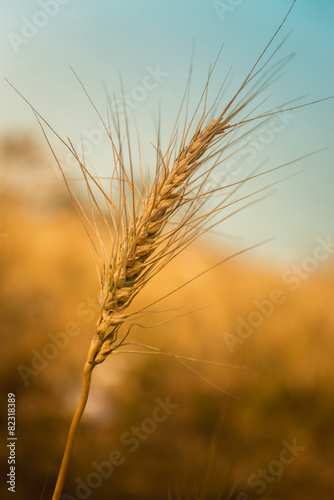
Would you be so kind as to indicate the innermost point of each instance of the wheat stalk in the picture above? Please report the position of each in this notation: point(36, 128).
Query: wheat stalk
point(145, 246)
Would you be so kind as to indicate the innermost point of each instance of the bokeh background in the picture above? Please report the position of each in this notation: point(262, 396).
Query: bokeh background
point(282, 294)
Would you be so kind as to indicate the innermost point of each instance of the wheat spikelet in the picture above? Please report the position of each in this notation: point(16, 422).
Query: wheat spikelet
point(134, 260)
point(135, 257)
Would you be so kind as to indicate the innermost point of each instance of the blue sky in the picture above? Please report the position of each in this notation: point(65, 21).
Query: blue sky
point(104, 38)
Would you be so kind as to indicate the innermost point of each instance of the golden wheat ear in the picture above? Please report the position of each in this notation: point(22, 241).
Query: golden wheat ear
point(144, 240)
point(148, 227)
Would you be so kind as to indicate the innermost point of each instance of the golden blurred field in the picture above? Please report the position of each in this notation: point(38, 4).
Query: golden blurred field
point(206, 444)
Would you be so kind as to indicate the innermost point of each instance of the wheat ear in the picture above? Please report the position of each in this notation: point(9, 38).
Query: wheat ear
point(135, 257)
point(133, 262)
point(144, 250)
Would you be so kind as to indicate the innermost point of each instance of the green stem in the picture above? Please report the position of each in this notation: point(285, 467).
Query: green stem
point(87, 376)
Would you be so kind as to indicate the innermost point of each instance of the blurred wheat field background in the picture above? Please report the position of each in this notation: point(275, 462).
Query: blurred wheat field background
point(153, 428)
point(209, 441)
